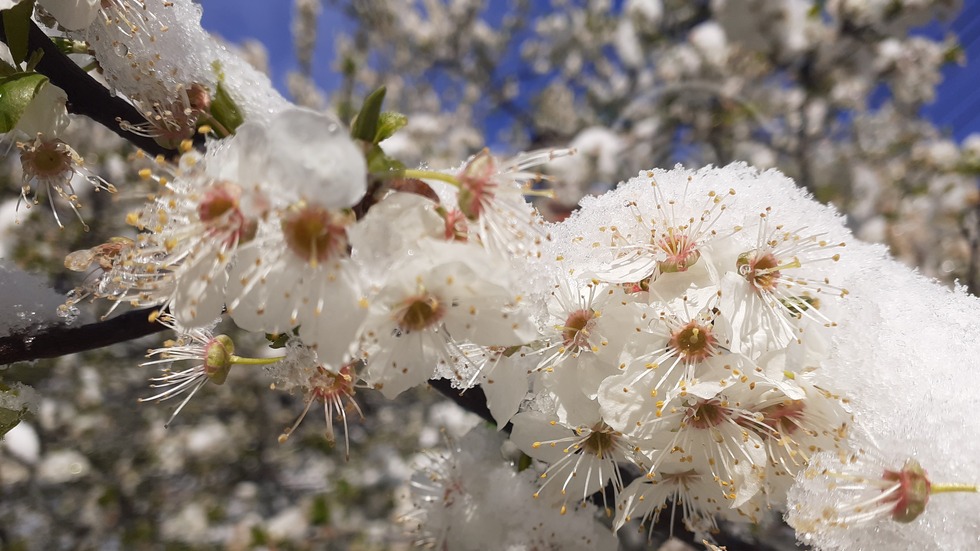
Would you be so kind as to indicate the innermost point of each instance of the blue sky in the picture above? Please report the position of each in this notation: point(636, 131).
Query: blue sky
point(957, 107)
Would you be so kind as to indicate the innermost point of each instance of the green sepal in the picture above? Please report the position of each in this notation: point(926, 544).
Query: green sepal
point(524, 462)
point(69, 46)
point(17, 25)
point(17, 91)
point(279, 340)
point(365, 124)
point(389, 122)
point(225, 110)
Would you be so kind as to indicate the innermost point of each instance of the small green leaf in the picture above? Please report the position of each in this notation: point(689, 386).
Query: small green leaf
point(9, 419)
point(7, 69)
point(279, 340)
point(388, 123)
point(17, 25)
point(16, 93)
point(379, 163)
point(523, 462)
point(225, 110)
point(14, 411)
point(365, 125)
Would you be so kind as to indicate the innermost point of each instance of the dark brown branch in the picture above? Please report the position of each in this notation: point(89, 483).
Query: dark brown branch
point(59, 340)
point(86, 96)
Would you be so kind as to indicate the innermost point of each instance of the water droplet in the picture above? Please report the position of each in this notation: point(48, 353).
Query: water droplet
point(68, 312)
point(121, 49)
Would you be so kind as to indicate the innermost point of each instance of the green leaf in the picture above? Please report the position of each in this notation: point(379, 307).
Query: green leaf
point(379, 163)
point(16, 93)
point(7, 69)
point(17, 24)
point(388, 123)
point(225, 110)
point(365, 125)
point(10, 417)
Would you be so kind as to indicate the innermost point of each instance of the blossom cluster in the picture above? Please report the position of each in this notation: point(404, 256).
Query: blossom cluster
point(678, 341)
point(688, 314)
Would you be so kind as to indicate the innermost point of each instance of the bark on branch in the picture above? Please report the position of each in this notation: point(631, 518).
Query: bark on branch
point(59, 340)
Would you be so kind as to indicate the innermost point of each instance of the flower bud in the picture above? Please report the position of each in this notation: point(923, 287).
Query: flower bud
point(217, 358)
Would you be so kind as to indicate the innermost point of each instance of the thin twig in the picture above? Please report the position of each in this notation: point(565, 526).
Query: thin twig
point(59, 340)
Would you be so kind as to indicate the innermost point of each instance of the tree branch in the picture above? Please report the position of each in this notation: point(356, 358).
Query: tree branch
point(86, 96)
point(59, 340)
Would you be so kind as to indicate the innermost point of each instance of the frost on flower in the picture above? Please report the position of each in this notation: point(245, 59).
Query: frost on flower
point(689, 319)
point(465, 499)
point(156, 53)
point(334, 388)
point(846, 501)
point(582, 458)
point(904, 355)
point(448, 292)
point(257, 225)
point(486, 201)
point(336, 392)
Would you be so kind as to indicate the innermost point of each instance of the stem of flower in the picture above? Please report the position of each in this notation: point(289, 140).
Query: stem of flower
point(546, 193)
point(428, 175)
point(952, 487)
point(254, 361)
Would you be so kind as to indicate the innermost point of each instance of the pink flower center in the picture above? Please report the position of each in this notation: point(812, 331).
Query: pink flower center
point(220, 209)
point(601, 441)
point(694, 342)
point(329, 386)
point(681, 252)
point(316, 234)
point(420, 312)
point(706, 414)
point(47, 159)
point(759, 269)
point(577, 327)
point(784, 417)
